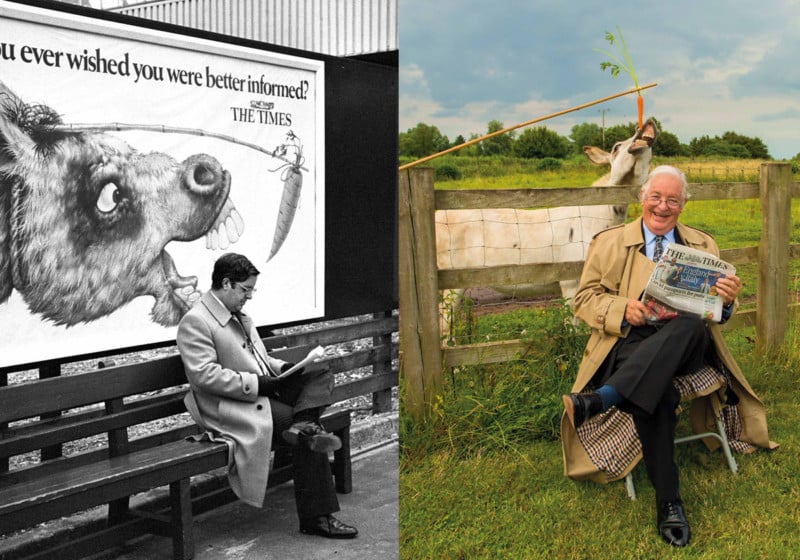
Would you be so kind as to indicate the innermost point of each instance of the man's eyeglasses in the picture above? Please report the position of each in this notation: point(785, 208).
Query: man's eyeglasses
point(246, 290)
point(656, 200)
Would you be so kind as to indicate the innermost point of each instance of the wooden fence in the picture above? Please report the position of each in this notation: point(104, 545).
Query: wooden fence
point(422, 356)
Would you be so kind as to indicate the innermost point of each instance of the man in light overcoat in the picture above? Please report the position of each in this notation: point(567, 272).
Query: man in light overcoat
point(237, 395)
point(631, 364)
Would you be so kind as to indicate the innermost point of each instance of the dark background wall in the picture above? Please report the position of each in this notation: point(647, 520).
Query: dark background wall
point(361, 190)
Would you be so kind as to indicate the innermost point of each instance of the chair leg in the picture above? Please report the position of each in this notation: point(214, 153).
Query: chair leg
point(631, 489)
point(726, 449)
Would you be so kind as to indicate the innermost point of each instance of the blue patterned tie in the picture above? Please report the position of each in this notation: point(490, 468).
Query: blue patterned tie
point(659, 250)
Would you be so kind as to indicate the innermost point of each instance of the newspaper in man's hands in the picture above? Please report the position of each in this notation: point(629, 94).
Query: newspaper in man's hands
point(683, 282)
point(314, 355)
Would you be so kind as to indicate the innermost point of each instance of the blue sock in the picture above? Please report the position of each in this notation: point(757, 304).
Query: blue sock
point(609, 396)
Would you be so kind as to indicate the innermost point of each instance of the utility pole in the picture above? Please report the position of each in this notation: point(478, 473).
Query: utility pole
point(603, 126)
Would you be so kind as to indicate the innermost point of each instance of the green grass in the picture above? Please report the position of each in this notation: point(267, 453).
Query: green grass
point(485, 479)
point(511, 172)
point(499, 506)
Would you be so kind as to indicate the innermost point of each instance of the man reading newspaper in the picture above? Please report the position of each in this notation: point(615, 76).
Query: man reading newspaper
point(630, 362)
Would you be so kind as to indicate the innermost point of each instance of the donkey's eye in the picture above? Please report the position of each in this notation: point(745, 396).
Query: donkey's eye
point(109, 198)
point(616, 147)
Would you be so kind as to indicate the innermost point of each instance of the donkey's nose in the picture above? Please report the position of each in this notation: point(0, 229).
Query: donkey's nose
point(203, 174)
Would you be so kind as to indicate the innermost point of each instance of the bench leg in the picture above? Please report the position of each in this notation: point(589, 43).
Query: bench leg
point(118, 511)
point(181, 521)
point(342, 468)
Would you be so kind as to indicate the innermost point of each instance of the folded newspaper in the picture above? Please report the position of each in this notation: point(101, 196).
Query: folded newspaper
point(314, 355)
point(683, 283)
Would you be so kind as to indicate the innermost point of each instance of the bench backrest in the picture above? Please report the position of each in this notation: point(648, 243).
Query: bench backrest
point(46, 413)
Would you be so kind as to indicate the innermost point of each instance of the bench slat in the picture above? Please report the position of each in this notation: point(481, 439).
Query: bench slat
point(45, 468)
point(71, 490)
point(65, 428)
point(334, 335)
point(73, 391)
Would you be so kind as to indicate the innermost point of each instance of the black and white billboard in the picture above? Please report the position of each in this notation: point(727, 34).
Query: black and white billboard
point(131, 158)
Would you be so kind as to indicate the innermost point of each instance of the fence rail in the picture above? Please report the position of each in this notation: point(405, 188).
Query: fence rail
point(422, 356)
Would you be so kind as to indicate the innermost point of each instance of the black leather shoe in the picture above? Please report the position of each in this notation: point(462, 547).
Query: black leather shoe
point(582, 406)
point(313, 436)
point(328, 526)
point(672, 524)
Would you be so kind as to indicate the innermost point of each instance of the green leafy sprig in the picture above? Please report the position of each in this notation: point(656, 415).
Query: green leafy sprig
point(616, 65)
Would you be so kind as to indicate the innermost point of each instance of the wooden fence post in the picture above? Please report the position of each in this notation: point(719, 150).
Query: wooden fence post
point(420, 344)
point(382, 400)
point(775, 185)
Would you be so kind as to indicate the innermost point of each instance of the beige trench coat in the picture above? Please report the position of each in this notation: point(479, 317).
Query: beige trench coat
point(223, 399)
point(615, 270)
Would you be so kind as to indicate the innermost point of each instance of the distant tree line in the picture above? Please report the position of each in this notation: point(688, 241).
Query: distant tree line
point(541, 142)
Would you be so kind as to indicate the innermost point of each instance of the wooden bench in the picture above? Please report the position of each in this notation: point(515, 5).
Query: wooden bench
point(50, 416)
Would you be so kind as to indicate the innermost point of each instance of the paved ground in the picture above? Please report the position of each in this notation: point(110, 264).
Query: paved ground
point(240, 532)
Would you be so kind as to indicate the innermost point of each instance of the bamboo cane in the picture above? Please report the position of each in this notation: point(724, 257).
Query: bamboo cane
point(121, 127)
point(516, 126)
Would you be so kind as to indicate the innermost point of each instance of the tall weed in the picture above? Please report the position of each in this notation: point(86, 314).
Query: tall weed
point(497, 407)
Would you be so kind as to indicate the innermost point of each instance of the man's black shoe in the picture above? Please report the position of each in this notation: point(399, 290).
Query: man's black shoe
point(672, 524)
point(582, 406)
point(313, 436)
point(328, 526)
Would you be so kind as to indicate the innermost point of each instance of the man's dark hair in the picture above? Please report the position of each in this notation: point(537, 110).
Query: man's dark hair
point(233, 266)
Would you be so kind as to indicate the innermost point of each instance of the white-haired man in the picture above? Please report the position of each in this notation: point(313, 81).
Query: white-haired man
point(630, 363)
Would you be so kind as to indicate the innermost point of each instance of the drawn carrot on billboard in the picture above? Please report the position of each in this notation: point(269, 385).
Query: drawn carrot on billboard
point(292, 184)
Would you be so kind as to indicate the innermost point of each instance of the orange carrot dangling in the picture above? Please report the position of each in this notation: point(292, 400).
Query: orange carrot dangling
point(625, 64)
point(640, 108)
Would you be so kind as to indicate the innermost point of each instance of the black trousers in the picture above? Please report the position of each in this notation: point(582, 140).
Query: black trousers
point(641, 370)
point(314, 491)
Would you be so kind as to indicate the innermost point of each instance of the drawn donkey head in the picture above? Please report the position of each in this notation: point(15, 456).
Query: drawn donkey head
point(85, 218)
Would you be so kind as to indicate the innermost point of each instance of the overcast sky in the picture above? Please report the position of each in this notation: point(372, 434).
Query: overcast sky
point(720, 65)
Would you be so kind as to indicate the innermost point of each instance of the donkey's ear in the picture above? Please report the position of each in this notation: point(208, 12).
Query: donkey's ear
point(6, 277)
point(13, 142)
point(597, 155)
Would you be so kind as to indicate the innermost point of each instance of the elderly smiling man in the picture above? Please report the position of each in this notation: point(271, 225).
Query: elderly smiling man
point(631, 364)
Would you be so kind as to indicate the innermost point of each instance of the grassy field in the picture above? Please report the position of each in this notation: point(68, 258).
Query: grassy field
point(484, 478)
point(512, 173)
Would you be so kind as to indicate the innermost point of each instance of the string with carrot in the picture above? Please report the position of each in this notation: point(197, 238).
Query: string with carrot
point(625, 64)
